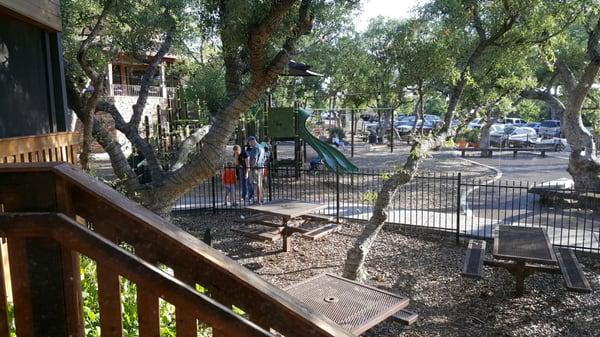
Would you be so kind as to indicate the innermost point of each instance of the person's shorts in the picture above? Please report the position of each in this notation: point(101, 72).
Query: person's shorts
point(229, 188)
point(256, 176)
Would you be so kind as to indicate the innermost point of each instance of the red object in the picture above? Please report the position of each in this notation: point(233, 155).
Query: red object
point(229, 177)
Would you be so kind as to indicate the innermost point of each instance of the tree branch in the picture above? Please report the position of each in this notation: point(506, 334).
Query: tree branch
point(565, 73)
point(89, 40)
point(133, 135)
point(138, 107)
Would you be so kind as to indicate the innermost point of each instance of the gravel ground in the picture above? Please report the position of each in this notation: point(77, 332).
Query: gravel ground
point(425, 267)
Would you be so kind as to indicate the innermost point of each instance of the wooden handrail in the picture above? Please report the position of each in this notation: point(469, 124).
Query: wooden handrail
point(118, 219)
point(52, 147)
point(71, 234)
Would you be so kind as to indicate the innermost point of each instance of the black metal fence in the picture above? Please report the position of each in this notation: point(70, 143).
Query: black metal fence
point(449, 202)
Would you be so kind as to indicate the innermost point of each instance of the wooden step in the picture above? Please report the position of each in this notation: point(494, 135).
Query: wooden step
point(320, 231)
point(260, 234)
point(406, 317)
point(571, 270)
point(473, 266)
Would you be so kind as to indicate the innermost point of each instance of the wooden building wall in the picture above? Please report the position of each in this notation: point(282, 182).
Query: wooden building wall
point(44, 13)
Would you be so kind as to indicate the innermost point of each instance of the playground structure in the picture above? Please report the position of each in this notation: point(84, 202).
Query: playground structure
point(290, 124)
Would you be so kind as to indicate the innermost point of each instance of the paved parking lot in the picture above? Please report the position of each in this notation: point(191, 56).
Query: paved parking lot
point(528, 166)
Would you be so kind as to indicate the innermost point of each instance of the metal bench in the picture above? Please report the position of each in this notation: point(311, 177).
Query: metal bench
point(489, 151)
point(473, 266)
point(571, 270)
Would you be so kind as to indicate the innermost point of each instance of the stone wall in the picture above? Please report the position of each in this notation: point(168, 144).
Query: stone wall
point(124, 105)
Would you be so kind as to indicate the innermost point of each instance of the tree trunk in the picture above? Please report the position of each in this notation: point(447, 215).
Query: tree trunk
point(354, 267)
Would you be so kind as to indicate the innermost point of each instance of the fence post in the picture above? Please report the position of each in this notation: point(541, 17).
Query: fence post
point(270, 180)
point(213, 187)
point(458, 197)
point(337, 194)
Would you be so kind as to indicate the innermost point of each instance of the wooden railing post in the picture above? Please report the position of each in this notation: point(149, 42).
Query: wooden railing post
point(147, 299)
point(70, 267)
point(37, 268)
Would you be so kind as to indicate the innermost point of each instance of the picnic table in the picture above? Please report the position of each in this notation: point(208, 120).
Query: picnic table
point(524, 251)
point(354, 306)
point(287, 210)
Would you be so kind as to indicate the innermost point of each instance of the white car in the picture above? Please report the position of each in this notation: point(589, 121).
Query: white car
point(506, 135)
point(559, 144)
point(475, 124)
point(513, 121)
point(522, 137)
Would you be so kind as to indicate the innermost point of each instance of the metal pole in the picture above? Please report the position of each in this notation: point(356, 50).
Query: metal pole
point(352, 132)
point(337, 195)
point(270, 180)
point(392, 132)
point(458, 197)
point(213, 188)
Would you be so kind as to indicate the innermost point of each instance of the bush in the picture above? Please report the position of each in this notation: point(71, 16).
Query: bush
point(471, 136)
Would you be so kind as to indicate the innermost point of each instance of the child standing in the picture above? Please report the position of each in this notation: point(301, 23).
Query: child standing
point(229, 180)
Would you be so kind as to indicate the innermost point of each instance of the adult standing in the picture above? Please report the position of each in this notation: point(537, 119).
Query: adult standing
point(255, 163)
point(240, 159)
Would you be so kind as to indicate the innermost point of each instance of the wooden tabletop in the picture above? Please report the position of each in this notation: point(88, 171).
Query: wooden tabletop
point(287, 208)
point(523, 244)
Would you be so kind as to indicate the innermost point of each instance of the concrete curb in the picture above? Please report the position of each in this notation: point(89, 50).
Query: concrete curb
point(464, 206)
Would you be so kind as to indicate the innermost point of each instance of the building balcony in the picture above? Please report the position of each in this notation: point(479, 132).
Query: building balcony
point(134, 90)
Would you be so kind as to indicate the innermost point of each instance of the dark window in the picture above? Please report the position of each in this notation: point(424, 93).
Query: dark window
point(31, 86)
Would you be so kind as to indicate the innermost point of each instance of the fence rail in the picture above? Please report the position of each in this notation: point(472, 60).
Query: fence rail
point(449, 202)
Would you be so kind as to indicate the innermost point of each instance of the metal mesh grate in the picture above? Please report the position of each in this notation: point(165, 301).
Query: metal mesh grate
point(354, 306)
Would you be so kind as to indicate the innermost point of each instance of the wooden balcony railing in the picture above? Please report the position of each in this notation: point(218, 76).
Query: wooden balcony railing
point(134, 90)
point(50, 213)
point(52, 147)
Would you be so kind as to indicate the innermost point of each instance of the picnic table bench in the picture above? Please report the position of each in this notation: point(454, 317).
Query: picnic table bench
point(282, 218)
point(523, 251)
point(488, 152)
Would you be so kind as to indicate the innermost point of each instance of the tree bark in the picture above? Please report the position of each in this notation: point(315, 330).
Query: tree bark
point(357, 255)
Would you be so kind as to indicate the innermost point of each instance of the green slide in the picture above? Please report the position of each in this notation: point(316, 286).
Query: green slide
point(332, 158)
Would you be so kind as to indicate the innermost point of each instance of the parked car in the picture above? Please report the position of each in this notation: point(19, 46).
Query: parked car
point(534, 125)
point(433, 119)
point(559, 144)
point(475, 124)
point(522, 137)
point(550, 128)
point(513, 121)
point(405, 124)
point(499, 133)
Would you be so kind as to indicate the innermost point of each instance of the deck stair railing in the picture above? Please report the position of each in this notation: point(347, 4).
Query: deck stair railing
point(51, 213)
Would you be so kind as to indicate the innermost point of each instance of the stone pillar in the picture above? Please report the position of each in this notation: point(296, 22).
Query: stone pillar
point(110, 80)
point(163, 86)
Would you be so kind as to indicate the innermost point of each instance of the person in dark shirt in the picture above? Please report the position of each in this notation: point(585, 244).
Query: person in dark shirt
point(240, 156)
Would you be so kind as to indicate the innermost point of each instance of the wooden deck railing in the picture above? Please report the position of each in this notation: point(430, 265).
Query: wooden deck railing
point(53, 147)
point(53, 212)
